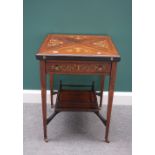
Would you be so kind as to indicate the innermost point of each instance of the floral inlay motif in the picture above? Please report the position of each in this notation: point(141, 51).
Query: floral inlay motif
point(100, 44)
point(78, 37)
point(79, 50)
point(77, 67)
point(54, 42)
point(55, 51)
point(99, 53)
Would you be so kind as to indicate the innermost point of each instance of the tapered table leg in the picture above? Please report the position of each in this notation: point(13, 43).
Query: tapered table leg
point(110, 98)
point(43, 96)
point(102, 88)
point(51, 89)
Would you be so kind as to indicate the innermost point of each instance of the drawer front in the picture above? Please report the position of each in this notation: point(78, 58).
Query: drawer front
point(78, 67)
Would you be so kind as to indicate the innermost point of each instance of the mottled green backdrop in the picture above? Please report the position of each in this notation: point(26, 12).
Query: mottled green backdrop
point(111, 17)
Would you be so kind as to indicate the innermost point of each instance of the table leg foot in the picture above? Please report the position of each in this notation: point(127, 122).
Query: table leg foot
point(46, 140)
point(107, 141)
point(52, 106)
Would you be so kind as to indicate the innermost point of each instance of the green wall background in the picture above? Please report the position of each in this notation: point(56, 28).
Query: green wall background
point(111, 17)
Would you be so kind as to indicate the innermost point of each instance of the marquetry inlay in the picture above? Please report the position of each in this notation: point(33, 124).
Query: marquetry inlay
point(83, 45)
point(54, 42)
point(78, 67)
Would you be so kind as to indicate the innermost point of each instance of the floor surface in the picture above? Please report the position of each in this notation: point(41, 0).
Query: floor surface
point(77, 133)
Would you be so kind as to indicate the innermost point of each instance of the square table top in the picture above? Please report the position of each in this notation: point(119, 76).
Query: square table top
point(78, 47)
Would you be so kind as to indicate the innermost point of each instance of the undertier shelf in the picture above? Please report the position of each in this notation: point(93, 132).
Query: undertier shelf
point(76, 100)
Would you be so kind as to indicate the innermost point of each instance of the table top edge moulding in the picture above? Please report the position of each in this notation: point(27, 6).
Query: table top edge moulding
point(78, 47)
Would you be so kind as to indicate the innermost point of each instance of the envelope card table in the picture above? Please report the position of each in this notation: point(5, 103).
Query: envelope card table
point(79, 55)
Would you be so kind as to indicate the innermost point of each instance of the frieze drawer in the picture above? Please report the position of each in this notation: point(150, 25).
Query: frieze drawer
point(78, 67)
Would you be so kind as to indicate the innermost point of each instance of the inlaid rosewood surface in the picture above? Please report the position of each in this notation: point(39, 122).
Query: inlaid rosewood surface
point(56, 45)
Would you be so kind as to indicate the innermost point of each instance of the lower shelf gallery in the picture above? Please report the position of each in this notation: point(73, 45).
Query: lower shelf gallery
point(76, 100)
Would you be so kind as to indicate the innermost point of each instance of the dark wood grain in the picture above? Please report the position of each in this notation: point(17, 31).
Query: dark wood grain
point(110, 98)
point(102, 89)
point(43, 95)
point(51, 89)
point(76, 100)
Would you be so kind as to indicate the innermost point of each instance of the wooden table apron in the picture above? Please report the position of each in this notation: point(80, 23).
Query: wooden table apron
point(78, 67)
